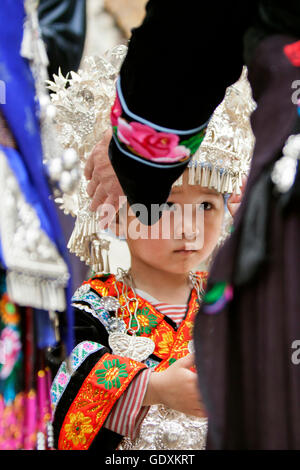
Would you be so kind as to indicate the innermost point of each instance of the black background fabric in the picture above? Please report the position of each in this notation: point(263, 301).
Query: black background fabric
point(179, 63)
point(250, 386)
point(182, 58)
point(63, 26)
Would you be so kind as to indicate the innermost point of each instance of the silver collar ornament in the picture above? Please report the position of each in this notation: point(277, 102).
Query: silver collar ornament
point(127, 343)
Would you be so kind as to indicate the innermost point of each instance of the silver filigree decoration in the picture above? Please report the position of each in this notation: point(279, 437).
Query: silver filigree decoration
point(110, 304)
point(167, 429)
point(284, 171)
point(116, 325)
point(135, 347)
point(227, 148)
point(83, 102)
point(36, 273)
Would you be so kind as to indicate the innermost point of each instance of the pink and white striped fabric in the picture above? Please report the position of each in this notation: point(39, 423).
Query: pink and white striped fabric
point(174, 312)
point(128, 413)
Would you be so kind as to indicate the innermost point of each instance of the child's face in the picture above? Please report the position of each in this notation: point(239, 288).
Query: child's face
point(191, 238)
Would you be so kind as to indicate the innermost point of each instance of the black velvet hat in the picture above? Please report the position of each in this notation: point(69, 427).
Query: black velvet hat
point(179, 63)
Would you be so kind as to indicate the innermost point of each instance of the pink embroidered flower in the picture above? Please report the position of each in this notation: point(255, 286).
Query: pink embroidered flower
point(88, 346)
point(62, 378)
point(10, 340)
point(116, 111)
point(150, 144)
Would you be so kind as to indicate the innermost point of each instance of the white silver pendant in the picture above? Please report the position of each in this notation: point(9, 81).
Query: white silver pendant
point(138, 348)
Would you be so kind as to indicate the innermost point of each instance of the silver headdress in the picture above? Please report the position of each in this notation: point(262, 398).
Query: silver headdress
point(226, 151)
point(83, 103)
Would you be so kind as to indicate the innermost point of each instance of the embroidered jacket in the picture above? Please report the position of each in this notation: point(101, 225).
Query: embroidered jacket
point(85, 390)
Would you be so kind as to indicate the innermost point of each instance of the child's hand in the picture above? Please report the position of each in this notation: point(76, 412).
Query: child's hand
point(176, 388)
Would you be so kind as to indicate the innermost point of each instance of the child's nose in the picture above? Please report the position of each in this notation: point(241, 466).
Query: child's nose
point(190, 233)
point(188, 230)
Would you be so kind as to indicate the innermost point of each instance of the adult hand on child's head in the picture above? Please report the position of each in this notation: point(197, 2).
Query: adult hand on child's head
point(177, 388)
point(234, 201)
point(104, 186)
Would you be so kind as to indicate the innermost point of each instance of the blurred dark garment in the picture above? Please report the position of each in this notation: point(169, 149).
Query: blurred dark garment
point(249, 383)
point(275, 17)
point(63, 26)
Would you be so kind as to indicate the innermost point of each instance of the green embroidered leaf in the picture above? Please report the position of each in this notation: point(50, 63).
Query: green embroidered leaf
point(123, 374)
point(83, 353)
point(194, 142)
point(108, 385)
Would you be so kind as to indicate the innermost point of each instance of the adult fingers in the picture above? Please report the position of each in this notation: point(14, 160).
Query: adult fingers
point(99, 154)
point(99, 197)
point(89, 167)
point(93, 185)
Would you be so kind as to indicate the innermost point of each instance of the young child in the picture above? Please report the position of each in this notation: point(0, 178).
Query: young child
point(130, 381)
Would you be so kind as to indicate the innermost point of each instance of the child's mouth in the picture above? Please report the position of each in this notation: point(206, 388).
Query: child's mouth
point(185, 252)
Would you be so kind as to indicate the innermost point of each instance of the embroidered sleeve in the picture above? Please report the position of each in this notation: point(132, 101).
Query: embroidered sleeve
point(128, 413)
point(80, 353)
point(108, 379)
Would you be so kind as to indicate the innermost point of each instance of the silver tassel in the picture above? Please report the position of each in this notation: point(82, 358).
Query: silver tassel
point(191, 179)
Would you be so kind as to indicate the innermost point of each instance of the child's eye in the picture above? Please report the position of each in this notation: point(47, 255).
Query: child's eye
point(207, 206)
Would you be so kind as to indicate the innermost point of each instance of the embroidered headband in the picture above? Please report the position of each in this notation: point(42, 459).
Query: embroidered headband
point(154, 145)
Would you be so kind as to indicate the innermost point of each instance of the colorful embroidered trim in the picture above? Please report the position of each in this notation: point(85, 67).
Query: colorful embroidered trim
point(64, 374)
point(140, 138)
point(94, 301)
point(216, 299)
point(152, 323)
point(179, 347)
point(292, 52)
point(108, 379)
